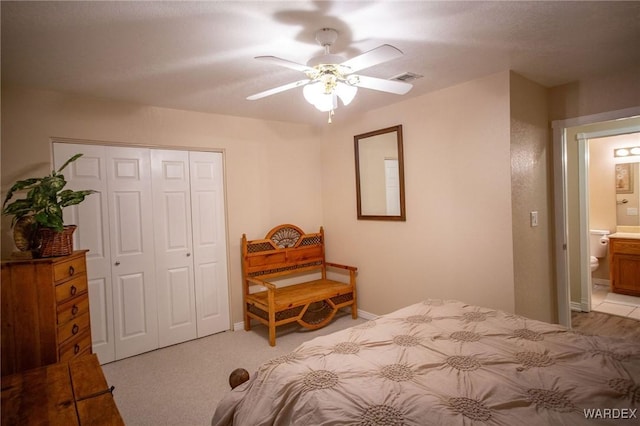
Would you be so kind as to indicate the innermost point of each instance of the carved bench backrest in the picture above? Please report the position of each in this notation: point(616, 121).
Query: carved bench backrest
point(286, 249)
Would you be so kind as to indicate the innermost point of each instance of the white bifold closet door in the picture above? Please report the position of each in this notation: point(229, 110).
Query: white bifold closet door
point(157, 263)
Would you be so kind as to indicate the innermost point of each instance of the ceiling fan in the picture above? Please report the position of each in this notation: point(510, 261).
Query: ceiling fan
point(330, 77)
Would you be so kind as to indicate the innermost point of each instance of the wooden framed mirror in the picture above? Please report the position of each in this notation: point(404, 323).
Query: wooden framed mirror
point(380, 174)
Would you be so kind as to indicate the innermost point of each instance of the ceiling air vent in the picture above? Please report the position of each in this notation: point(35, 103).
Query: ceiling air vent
point(406, 77)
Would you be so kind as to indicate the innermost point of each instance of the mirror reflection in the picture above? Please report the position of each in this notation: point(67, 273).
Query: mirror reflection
point(627, 194)
point(380, 174)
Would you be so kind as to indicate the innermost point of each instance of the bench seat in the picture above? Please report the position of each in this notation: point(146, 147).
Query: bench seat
point(288, 252)
point(301, 294)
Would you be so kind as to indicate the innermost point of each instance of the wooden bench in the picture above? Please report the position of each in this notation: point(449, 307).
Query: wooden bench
point(287, 252)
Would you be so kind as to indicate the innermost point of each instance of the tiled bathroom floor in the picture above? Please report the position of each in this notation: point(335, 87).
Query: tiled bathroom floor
point(614, 304)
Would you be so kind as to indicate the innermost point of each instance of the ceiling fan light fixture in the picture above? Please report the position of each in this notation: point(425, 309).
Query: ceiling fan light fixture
point(315, 94)
point(346, 92)
point(330, 76)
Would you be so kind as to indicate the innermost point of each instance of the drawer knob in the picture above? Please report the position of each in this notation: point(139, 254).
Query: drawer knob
point(75, 329)
point(71, 271)
point(73, 290)
point(76, 349)
point(74, 309)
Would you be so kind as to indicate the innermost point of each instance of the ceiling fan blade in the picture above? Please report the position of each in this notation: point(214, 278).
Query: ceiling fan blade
point(284, 63)
point(278, 89)
point(376, 56)
point(397, 87)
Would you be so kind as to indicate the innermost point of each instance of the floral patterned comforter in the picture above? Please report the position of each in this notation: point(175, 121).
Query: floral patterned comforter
point(444, 363)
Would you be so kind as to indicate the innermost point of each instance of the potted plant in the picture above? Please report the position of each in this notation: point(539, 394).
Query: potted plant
point(37, 218)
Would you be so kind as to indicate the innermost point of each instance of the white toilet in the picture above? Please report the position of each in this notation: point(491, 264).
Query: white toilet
point(599, 244)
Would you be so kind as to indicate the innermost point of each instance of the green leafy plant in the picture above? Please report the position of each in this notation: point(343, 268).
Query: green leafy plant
point(45, 198)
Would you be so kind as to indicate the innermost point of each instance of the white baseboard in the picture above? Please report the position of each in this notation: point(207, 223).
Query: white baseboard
point(367, 315)
point(361, 314)
point(575, 306)
point(601, 281)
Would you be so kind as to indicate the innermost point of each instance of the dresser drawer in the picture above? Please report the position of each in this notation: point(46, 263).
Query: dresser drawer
point(76, 347)
point(72, 309)
point(68, 269)
point(70, 289)
point(73, 328)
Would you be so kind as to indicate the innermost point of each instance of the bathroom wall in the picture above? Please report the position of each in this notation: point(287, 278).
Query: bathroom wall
point(602, 189)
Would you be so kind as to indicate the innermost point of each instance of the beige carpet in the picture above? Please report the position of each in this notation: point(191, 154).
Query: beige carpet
point(182, 384)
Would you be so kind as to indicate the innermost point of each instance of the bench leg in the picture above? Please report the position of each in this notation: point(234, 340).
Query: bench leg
point(354, 311)
point(247, 319)
point(271, 297)
point(272, 334)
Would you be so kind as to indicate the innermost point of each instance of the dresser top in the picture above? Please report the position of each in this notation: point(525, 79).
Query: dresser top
point(76, 253)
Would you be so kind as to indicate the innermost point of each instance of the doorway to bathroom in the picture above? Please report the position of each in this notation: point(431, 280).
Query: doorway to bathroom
point(613, 205)
point(571, 198)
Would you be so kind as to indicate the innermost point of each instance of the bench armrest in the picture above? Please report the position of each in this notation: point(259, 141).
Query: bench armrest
point(263, 283)
point(338, 265)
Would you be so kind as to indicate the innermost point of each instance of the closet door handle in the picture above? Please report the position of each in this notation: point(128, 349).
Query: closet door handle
point(188, 254)
point(117, 262)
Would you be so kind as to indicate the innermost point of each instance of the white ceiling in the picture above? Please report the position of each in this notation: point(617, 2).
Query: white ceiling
point(199, 55)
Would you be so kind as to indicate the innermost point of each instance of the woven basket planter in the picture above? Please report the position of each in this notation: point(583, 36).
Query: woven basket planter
point(54, 243)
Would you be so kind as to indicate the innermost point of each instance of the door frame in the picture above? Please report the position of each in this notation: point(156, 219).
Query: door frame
point(585, 228)
point(561, 218)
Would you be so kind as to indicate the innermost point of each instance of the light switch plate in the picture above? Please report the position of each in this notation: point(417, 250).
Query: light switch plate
point(534, 218)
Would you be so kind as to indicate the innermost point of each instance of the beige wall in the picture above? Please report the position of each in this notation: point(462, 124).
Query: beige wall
point(531, 168)
point(260, 157)
point(615, 91)
point(457, 239)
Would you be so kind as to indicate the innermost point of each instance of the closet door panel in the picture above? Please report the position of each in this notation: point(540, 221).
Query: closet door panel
point(180, 286)
point(91, 217)
point(132, 251)
point(99, 302)
point(128, 223)
point(133, 321)
point(174, 260)
point(209, 242)
point(211, 301)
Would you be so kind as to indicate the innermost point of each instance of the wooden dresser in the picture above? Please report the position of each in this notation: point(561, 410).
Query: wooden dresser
point(66, 393)
point(45, 311)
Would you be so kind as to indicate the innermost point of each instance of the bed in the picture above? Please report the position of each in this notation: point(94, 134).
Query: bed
point(441, 363)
